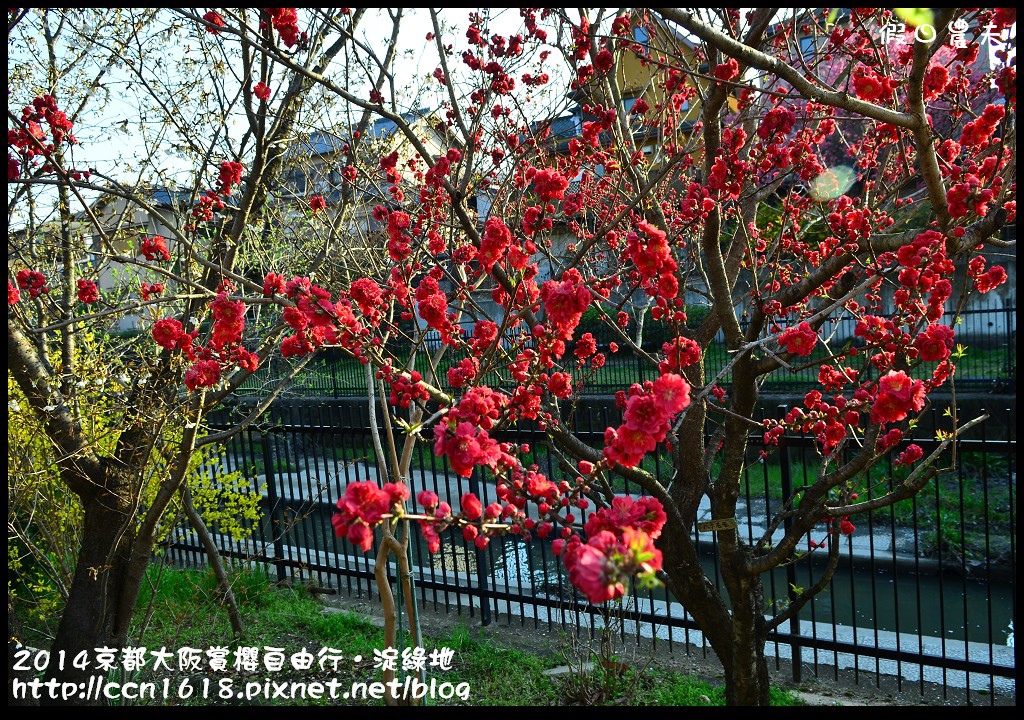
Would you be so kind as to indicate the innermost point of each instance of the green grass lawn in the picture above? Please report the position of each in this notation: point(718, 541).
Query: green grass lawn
point(182, 611)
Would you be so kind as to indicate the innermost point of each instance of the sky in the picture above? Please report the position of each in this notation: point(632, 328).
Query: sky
point(118, 146)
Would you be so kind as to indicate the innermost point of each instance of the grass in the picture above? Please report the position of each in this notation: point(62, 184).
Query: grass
point(964, 513)
point(182, 611)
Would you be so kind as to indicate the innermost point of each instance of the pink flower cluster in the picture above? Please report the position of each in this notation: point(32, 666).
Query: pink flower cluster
point(565, 302)
point(620, 545)
point(898, 395)
point(799, 339)
point(363, 507)
point(648, 416)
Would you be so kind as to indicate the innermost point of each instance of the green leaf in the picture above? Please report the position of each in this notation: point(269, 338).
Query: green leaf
point(916, 17)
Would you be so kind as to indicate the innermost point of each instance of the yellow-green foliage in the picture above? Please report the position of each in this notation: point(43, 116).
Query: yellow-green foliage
point(220, 497)
point(45, 519)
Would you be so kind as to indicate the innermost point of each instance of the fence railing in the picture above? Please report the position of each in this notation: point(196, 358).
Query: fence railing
point(987, 332)
point(925, 590)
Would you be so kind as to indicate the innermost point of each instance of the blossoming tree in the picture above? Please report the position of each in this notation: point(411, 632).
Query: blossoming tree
point(740, 208)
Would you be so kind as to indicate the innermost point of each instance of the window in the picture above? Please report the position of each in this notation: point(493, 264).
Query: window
point(627, 104)
point(641, 35)
point(807, 48)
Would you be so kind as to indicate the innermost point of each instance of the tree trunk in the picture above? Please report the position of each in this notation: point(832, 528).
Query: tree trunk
point(746, 681)
point(735, 632)
point(89, 619)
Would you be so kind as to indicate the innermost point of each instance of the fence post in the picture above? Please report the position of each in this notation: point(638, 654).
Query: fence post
point(276, 519)
point(482, 565)
point(787, 491)
point(1011, 369)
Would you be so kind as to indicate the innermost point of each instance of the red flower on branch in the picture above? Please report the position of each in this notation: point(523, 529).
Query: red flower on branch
point(204, 373)
point(31, 281)
point(88, 293)
point(799, 340)
point(155, 248)
point(898, 396)
point(215, 20)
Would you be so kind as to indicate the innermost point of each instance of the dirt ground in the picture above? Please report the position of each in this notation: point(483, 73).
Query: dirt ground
point(821, 691)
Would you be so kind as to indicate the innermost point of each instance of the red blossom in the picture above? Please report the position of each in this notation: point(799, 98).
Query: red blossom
point(990, 280)
point(204, 373)
point(976, 133)
point(13, 294)
point(88, 293)
point(728, 70)
point(215, 20)
point(799, 340)
point(472, 508)
point(934, 343)
point(230, 175)
point(166, 332)
point(898, 396)
point(594, 575)
point(155, 248)
point(147, 290)
point(549, 185)
point(285, 21)
point(32, 281)
point(427, 499)
point(911, 455)
point(261, 90)
point(870, 86)
point(273, 283)
point(565, 302)
point(362, 507)
point(317, 203)
point(496, 240)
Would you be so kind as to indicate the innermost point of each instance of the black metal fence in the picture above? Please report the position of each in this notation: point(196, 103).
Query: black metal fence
point(987, 332)
point(925, 591)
